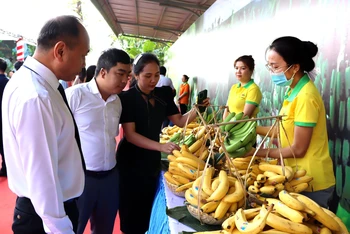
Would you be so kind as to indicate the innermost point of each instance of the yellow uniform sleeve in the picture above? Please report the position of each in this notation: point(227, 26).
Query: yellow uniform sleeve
point(307, 109)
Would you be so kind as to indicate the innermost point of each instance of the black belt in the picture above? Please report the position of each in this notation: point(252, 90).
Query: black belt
point(99, 174)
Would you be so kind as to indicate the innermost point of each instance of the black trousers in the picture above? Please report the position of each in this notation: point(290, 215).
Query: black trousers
point(183, 108)
point(27, 221)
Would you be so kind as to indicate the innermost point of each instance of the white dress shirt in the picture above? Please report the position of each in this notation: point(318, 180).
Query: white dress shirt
point(43, 162)
point(98, 124)
point(164, 81)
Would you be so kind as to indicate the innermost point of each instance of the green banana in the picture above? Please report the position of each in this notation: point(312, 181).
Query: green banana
point(239, 125)
point(238, 153)
point(190, 139)
point(175, 137)
point(227, 119)
point(238, 116)
point(341, 117)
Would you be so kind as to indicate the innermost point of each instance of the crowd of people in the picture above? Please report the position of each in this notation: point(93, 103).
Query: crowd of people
point(64, 166)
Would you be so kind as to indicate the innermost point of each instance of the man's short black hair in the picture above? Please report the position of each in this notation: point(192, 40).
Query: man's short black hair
point(109, 58)
point(62, 28)
point(18, 65)
point(162, 70)
point(3, 65)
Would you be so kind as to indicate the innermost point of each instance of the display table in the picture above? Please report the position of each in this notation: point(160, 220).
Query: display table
point(160, 222)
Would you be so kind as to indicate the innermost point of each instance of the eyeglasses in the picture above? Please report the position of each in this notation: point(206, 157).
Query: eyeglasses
point(276, 70)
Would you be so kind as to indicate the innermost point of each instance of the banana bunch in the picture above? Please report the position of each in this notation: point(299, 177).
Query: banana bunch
point(185, 167)
point(174, 133)
point(240, 136)
point(292, 213)
point(217, 196)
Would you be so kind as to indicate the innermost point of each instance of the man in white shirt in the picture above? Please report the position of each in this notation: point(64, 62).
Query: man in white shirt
point(45, 167)
point(97, 108)
point(165, 81)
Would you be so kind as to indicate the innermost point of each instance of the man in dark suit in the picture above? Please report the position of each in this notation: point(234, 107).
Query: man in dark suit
point(3, 82)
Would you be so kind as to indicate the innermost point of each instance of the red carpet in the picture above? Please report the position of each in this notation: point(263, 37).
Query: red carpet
point(7, 203)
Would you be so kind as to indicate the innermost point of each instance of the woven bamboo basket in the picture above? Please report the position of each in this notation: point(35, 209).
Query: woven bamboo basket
point(204, 217)
point(173, 187)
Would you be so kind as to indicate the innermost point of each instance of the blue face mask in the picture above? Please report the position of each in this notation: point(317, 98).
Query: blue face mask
point(280, 79)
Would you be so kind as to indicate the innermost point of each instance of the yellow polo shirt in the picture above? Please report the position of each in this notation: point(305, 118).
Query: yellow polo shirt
point(303, 106)
point(240, 95)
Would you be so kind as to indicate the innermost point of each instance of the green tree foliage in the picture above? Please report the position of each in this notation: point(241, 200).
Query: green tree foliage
point(134, 46)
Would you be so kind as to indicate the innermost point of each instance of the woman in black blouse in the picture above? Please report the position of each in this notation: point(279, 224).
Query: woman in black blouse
point(145, 106)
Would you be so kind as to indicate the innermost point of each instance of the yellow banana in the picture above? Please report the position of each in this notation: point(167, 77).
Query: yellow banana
point(299, 180)
point(221, 210)
point(268, 189)
point(269, 173)
point(214, 232)
point(325, 230)
point(192, 199)
point(176, 171)
point(245, 159)
point(277, 169)
point(233, 208)
point(343, 228)
point(184, 187)
point(315, 228)
point(172, 164)
point(229, 224)
point(320, 215)
point(273, 231)
point(177, 153)
point(210, 206)
point(204, 155)
point(290, 201)
point(252, 228)
point(286, 211)
point(206, 186)
point(251, 213)
point(257, 184)
point(250, 181)
point(273, 180)
point(253, 189)
point(255, 169)
point(215, 184)
point(300, 187)
point(299, 173)
point(170, 179)
point(241, 203)
point(189, 161)
point(195, 146)
point(279, 187)
point(261, 178)
point(237, 195)
point(195, 188)
point(222, 189)
point(171, 158)
point(240, 165)
point(189, 172)
point(182, 180)
point(231, 180)
point(283, 224)
point(184, 147)
point(288, 187)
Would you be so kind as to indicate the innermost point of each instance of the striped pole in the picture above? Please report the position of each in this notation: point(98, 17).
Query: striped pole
point(20, 49)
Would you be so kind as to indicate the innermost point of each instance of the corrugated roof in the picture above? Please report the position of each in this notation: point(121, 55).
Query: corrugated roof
point(163, 20)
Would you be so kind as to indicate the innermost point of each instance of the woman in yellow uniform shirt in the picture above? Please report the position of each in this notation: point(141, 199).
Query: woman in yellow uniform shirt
point(289, 61)
point(244, 96)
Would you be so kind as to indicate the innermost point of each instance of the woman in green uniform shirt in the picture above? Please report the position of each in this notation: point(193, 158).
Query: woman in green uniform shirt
point(289, 61)
point(244, 96)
